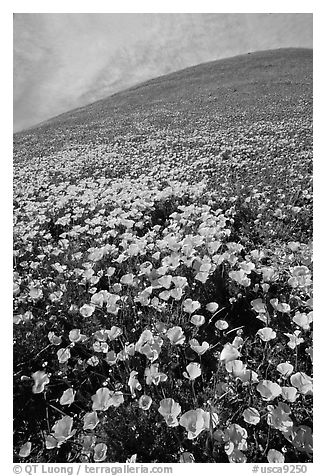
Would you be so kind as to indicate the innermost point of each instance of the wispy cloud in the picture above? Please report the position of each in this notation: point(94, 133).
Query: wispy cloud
point(62, 61)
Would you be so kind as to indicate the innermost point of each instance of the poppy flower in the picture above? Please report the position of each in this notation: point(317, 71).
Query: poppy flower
point(116, 399)
point(110, 271)
point(236, 435)
point(97, 299)
point(180, 281)
point(63, 355)
point(186, 457)
point(268, 390)
point(175, 335)
point(199, 349)
point(193, 371)
point(240, 277)
point(144, 297)
point(127, 279)
point(249, 376)
point(116, 288)
point(145, 402)
point(17, 319)
point(289, 394)
point(239, 370)
point(237, 456)
point(111, 305)
point(197, 320)
point(96, 255)
point(132, 459)
point(285, 369)
point(35, 293)
point(218, 436)
point(68, 397)
point(101, 399)
point(93, 361)
point(76, 336)
point(16, 289)
point(229, 447)
point(269, 274)
point(111, 357)
point(87, 310)
point(303, 320)
point(278, 417)
point(176, 293)
point(88, 442)
point(152, 350)
point(104, 398)
point(236, 367)
point(274, 456)
point(229, 352)
point(169, 409)
point(162, 269)
point(266, 334)
point(295, 340)
point(73, 309)
point(61, 432)
point(153, 375)
point(294, 245)
point(196, 421)
point(234, 247)
point(191, 306)
point(251, 416)
point(309, 351)
point(301, 438)
point(247, 266)
point(301, 277)
point(25, 450)
point(212, 307)
point(127, 352)
point(100, 451)
point(237, 342)
point(221, 325)
point(101, 335)
point(90, 421)
point(309, 303)
point(165, 281)
point(56, 296)
point(302, 382)
point(55, 340)
point(134, 383)
point(202, 277)
point(114, 332)
point(40, 380)
point(145, 337)
point(28, 316)
point(282, 307)
point(165, 295)
point(259, 306)
point(193, 421)
point(206, 265)
point(160, 327)
point(149, 345)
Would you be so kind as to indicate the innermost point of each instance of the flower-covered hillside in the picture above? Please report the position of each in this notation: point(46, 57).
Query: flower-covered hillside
point(163, 278)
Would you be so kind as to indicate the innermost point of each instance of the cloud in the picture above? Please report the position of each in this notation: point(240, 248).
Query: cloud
point(63, 61)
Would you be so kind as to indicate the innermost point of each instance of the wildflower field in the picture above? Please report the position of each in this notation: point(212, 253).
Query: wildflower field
point(163, 271)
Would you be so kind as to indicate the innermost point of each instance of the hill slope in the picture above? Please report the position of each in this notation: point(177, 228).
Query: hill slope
point(248, 88)
point(163, 271)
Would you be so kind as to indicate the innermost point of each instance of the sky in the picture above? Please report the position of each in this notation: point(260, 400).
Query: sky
point(67, 60)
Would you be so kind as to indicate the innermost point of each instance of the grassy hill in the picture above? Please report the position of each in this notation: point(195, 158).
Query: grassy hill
point(163, 271)
point(272, 85)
